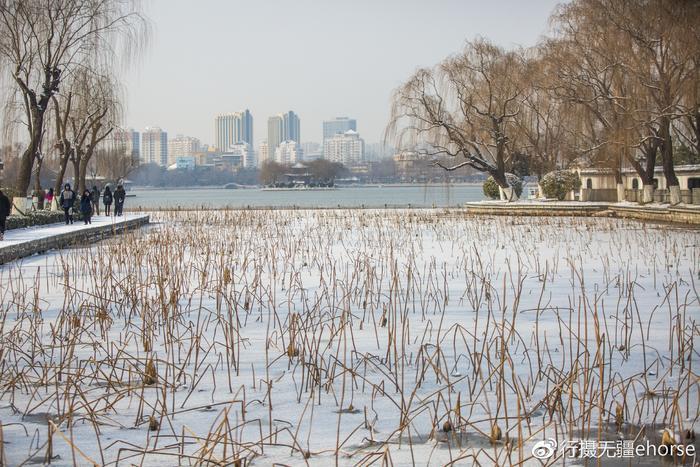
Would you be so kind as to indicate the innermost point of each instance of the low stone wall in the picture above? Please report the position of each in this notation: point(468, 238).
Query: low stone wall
point(678, 215)
point(536, 209)
point(78, 237)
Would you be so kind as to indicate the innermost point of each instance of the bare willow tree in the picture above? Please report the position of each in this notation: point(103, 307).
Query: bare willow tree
point(465, 108)
point(688, 127)
point(85, 116)
point(586, 74)
point(41, 44)
point(544, 121)
point(663, 39)
point(114, 161)
point(636, 58)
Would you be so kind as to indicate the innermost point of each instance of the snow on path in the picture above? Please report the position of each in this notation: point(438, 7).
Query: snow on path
point(18, 236)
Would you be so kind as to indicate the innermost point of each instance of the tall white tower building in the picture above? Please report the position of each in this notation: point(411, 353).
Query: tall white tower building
point(182, 146)
point(288, 152)
point(264, 153)
point(154, 146)
point(347, 148)
point(233, 128)
point(283, 127)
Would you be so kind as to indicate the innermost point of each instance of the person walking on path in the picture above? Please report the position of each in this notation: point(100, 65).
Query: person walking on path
point(119, 197)
point(5, 209)
point(67, 201)
point(48, 199)
point(95, 199)
point(86, 207)
point(107, 199)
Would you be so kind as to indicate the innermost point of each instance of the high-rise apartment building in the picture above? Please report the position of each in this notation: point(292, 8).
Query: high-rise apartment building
point(347, 148)
point(154, 146)
point(292, 127)
point(233, 128)
point(339, 125)
point(275, 133)
point(182, 146)
point(264, 153)
point(288, 152)
point(283, 127)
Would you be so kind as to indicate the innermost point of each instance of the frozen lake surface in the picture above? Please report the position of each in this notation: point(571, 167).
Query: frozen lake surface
point(352, 336)
point(369, 196)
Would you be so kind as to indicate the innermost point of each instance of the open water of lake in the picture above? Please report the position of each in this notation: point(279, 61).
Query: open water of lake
point(367, 196)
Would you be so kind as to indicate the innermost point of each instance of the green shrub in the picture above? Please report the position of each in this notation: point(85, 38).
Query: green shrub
point(491, 187)
point(34, 218)
point(558, 183)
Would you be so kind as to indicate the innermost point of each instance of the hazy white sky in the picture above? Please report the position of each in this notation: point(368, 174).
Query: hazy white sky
point(320, 58)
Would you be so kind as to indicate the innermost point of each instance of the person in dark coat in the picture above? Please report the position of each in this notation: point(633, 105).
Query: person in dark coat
point(86, 207)
point(67, 200)
point(95, 199)
point(5, 209)
point(119, 197)
point(107, 199)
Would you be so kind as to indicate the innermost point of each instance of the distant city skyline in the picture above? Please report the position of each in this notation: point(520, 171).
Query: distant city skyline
point(191, 73)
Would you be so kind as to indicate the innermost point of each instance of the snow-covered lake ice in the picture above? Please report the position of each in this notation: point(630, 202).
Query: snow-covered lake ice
point(404, 337)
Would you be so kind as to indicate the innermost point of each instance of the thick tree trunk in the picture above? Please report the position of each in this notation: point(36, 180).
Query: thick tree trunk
point(694, 121)
point(61, 174)
point(81, 176)
point(508, 194)
point(19, 205)
point(620, 192)
point(37, 176)
point(619, 185)
point(76, 173)
point(667, 160)
point(675, 194)
point(26, 164)
point(85, 160)
point(38, 190)
point(646, 171)
point(28, 157)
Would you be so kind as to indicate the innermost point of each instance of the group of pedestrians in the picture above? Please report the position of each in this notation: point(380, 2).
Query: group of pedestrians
point(90, 202)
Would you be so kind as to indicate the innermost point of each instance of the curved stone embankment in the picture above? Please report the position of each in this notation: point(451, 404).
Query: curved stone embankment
point(683, 214)
point(20, 243)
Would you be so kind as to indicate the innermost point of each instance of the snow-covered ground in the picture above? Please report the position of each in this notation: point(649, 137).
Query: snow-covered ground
point(17, 236)
point(348, 336)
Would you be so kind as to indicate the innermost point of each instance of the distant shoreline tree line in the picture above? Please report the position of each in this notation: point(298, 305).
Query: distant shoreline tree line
point(269, 173)
point(616, 84)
